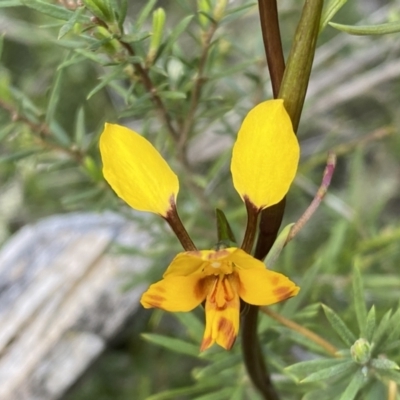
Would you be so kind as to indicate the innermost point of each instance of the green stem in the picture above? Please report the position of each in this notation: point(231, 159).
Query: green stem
point(298, 70)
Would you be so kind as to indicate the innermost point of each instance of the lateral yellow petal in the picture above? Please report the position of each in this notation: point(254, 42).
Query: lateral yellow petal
point(136, 171)
point(243, 260)
point(265, 155)
point(184, 264)
point(262, 287)
point(176, 293)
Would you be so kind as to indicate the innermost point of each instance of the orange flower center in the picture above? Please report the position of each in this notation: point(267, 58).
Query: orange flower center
point(222, 290)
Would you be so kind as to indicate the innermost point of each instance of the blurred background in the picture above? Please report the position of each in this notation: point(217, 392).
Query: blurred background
point(55, 98)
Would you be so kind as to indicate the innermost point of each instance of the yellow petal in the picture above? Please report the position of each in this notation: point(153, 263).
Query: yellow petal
point(136, 171)
point(191, 261)
point(243, 260)
point(222, 323)
point(262, 287)
point(265, 155)
point(184, 264)
point(176, 293)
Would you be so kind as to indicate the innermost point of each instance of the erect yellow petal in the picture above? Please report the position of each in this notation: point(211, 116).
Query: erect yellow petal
point(176, 293)
point(136, 171)
point(265, 155)
point(222, 321)
point(262, 287)
point(195, 261)
point(243, 260)
point(185, 263)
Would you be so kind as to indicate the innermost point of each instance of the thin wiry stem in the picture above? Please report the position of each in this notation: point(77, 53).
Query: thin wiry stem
point(300, 329)
point(272, 42)
point(152, 90)
point(321, 192)
point(200, 79)
point(42, 133)
point(251, 227)
point(176, 225)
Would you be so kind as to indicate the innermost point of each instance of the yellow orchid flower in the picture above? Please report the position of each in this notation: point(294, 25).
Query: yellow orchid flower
point(221, 278)
point(264, 163)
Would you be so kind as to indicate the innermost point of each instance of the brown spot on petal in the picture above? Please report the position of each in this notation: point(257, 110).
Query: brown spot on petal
point(206, 343)
point(282, 292)
point(201, 287)
point(154, 300)
point(160, 289)
point(274, 280)
point(225, 326)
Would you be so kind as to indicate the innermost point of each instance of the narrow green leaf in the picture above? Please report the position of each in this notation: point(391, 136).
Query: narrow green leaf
point(76, 199)
point(80, 127)
point(194, 326)
point(105, 80)
point(48, 9)
point(71, 22)
point(123, 9)
point(173, 394)
point(386, 374)
point(166, 94)
point(223, 73)
point(6, 130)
point(234, 13)
point(359, 302)
point(394, 327)
point(382, 330)
point(176, 32)
point(342, 367)
point(383, 363)
point(157, 33)
point(92, 56)
point(277, 247)
point(305, 368)
point(330, 9)
point(339, 326)
point(10, 3)
point(370, 324)
point(387, 347)
point(383, 29)
point(135, 37)
point(54, 96)
point(75, 59)
point(19, 155)
point(357, 381)
point(59, 133)
point(216, 367)
point(300, 339)
point(226, 236)
point(144, 13)
point(176, 345)
point(218, 395)
point(100, 9)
